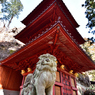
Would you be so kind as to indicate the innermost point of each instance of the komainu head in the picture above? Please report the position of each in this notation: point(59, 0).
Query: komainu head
point(47, 61)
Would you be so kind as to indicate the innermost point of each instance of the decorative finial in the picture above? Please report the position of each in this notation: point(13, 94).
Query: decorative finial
point(71, 71)
point(62, 67)
point(29, 69)
point(22, 72)
point(76, 74)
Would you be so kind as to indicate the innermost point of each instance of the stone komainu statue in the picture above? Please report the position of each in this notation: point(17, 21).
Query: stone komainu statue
point(43, 78)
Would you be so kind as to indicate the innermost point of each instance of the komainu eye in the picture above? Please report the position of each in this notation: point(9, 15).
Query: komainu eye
point(47, 60)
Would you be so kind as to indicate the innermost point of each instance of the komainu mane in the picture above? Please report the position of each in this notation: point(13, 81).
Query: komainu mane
point(43, 78)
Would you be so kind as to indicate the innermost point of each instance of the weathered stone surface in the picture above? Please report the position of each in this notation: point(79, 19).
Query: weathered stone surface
point(8, 44)
point(43, 78)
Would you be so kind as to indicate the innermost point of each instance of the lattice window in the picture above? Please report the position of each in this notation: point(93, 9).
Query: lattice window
point(65, 84)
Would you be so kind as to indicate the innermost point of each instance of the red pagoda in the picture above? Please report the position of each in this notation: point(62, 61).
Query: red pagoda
point(50, 28)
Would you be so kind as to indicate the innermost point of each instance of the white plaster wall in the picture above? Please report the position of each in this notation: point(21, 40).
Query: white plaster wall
point(8, 92)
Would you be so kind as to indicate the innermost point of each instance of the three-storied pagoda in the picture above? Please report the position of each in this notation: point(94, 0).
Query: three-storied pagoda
point(50, 28)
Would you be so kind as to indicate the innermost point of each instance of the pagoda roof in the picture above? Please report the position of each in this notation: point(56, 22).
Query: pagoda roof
point(50, 28)
point(43, 6)
point(54, 41)
point(45, 15)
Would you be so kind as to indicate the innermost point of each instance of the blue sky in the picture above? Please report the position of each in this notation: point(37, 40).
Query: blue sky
point(74, 7)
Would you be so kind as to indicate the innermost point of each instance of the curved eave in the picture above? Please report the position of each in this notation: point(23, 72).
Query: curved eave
point(45, 4)
point(78, 60)
point(42, 22)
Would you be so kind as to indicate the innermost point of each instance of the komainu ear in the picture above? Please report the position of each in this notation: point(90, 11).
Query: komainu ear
point(47, 55)
point(44, 56)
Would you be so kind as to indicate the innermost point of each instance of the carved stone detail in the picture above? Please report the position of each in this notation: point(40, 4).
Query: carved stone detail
point(43, 78)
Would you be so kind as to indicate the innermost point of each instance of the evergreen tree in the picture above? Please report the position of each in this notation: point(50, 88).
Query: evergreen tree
point(11, 9)
point(90, 14)
point(2, 1)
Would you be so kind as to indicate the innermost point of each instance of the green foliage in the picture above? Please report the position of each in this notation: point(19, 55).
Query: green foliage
point(11, 9)
point(92, 73)
point(2, 1)
point(84, 79)
point(90, 14)
point(12, 51)
point(89, 48)
point(86, 47)
point(89, 92)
